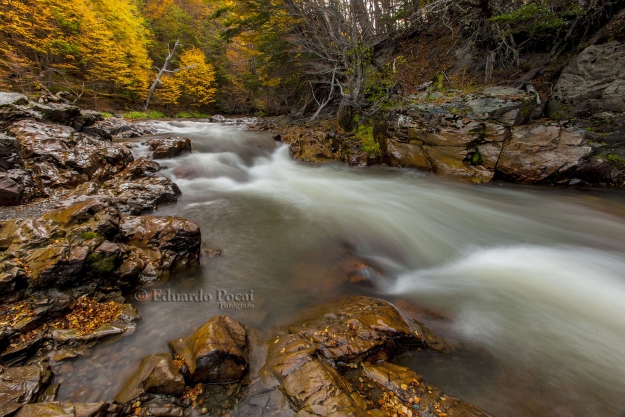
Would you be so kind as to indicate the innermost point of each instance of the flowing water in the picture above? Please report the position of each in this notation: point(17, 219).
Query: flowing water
point(527, 283)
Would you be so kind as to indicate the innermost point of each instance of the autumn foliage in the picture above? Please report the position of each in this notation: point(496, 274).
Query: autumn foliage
point(100, 44)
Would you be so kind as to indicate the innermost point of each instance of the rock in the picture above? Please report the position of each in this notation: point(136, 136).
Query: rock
point(56, 409)
point(90, 242)
point(116, 127)
point(57, 112)
point(12, 99)
point(307, 365)
point(358, 327)
point(540, 152)
point(217, 119)
point(167, 243)
point(11, 192)
point(22, 385)
point(593, 82)
point(10, 157)
point(164, 148)
point(61, 158)
point(138, 188)
point(157, 374)
point(216, 353)
point(409, 388)
point(86, 118)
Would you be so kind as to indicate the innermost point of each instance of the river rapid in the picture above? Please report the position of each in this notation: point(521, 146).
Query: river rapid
point(527, 284)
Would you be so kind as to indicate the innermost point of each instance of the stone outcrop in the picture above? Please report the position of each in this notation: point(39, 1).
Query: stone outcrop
point(164, 148)
point(91, 243)
point(477, 137)
point(593, 82)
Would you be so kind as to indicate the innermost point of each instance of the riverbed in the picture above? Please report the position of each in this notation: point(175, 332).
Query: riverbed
point(526, 283)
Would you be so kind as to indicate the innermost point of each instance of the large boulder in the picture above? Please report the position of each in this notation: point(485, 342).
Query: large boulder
point(216, 353)
point(536, 153)
point(164, 148)
point(593, 82)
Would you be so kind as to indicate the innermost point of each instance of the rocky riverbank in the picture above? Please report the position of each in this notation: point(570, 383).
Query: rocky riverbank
point(576, 137)
point(74, 245)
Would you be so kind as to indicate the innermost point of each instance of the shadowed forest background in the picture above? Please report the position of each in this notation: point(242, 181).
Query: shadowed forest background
point(295, 56)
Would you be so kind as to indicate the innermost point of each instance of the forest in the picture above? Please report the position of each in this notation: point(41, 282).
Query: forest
point(279, 56)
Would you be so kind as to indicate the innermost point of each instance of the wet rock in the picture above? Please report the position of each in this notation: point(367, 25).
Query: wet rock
point(11, 192)
point(358, 327)
point(22, 385)
point(307, 365)
point(116, 127)
point(61, 113)
point(412, 396)
point(9, 153)
point(216, 353)
point(167, 243)
point(57, 409)
point(164, 148)
point(311, 384)
point(593, 82)
point(536, 153)
point(61, 158)
point(91, 241)
point(310, 145)
point(138, 188)
point(157, 374)
point(86, 118)
point(217, 119)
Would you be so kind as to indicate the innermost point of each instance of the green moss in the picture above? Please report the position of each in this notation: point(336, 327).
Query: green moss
point(368, 142)
point(107, 115)
point(476, 158)
point(88, 235)
point(191, 115)
point(101, 263)
point(143, 115)
point(617, 160)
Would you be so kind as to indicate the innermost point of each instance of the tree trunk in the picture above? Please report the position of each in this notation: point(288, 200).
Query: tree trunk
point(162, 71)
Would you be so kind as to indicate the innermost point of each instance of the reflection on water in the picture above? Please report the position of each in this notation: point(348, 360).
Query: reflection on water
point(532, 278)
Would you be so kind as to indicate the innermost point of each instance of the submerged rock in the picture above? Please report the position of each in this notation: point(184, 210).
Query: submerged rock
point(216, 353)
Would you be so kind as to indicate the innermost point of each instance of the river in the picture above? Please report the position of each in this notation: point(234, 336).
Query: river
point(526, 283)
